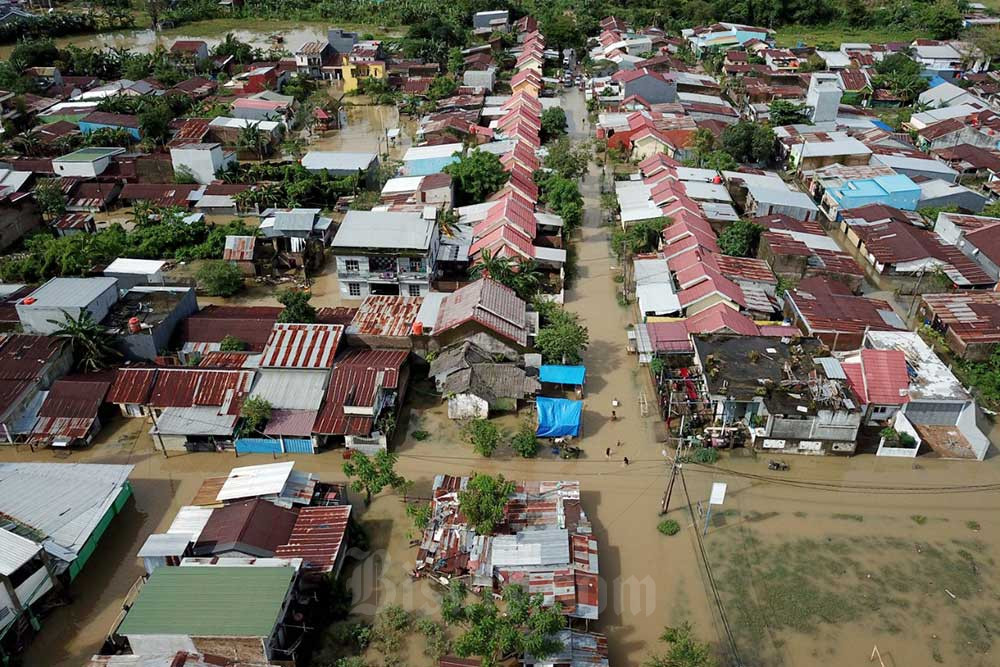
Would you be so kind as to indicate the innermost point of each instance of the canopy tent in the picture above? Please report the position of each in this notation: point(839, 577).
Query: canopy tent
point(562, 374)
point(558, 417)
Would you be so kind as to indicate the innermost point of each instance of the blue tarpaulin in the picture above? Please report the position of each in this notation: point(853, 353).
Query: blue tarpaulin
point(562, 374)
point(882, 126)
point(558, 417)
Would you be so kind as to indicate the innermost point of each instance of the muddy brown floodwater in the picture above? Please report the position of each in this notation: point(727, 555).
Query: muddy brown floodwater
point(807, 576)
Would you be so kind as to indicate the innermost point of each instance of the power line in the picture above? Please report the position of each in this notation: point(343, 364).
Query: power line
point(849, 487)
point(711, 577)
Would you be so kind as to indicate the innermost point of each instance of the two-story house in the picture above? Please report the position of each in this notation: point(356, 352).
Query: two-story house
point(311, 57)
point(386, 252)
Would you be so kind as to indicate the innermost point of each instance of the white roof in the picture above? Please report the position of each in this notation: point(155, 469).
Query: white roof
point(337, 161)
point(142, 267)
point(834, 58)
point(431, 152)
point(15, 551)
point(548, 546)
point(700, 190)
point(215, 201)
point(66, 518)
point(937, 52)
point(71, 292)
point(930, 378)
point(556, 255)
point(240, 123)
point(268, 479)
point(931, 116)
point(165, 544)
point(903, 162)
point(190, 520)
point(812, 241)
point(385, 229)
point(287, 389)
point(428, 313)
point(947, 94)
point(654, 287)
point(402, 184)
point(195, 420)
point(847, 146)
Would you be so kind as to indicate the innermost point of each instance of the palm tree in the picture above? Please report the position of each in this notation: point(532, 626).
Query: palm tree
point(527, 279)
point(294, 147)
point(490, 266)
point(28, 143)
point(93, 349)
point(252, 139)
point(448, 222)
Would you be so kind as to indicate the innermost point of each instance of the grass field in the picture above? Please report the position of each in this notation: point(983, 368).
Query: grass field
point(791, 35)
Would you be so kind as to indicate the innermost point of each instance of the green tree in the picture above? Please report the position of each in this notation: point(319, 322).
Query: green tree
point(683, 650)
point(942, 19)
point(255, 412)
point(253, 140)
point(297, 306)
point(456, 61)
point(442, 87)
point(568, 159)
point(718, 160)
point(562, 196)
point(523, 276)
point(562, 340)
point(477, 175)
point(232, 344)
point(740, 238)
point(992, 210)
point(522, 626)
point(484, 500)
point(483, 435)
point(553, 123)
point(220, 278)
point(373, 474)
point(50, 197)
point(93, 348)
point(640, 237)
point(783, 112)
point(524, 441)
point(749, 142)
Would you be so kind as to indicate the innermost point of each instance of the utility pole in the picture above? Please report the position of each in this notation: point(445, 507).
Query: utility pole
point(156, 428)
point(665, 505)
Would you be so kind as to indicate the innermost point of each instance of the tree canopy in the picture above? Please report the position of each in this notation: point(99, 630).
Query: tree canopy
point(683, 650)
point(219, 278)
point(483, 500)
point(553, 123)
point(740, 238)
point(783, 112)
point(372, 474)
point(749, 142)
point(477, 175)
point(93, 348)
point(562, 339)
point(297, 306)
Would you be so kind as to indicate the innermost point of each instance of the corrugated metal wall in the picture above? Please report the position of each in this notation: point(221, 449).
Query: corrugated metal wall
point(269, 446)
point(299, 446)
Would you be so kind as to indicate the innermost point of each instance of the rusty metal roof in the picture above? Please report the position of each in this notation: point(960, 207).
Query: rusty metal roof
point(355, 381)
point(381, 315)
point(974, 317)
point(188, 387)
point(317, 537)
point(132, 385)
point(239, 248)
point(301, 345)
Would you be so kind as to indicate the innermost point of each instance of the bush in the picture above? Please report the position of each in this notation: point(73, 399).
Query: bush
point(420, 436)
point(220, 278)
point(705, 455)
point(483, 435)
point(524, 442)
point(669, 527)
point(232, 344)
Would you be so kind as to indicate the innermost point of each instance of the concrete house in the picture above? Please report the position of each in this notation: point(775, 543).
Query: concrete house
point(653, 87)
point(969, 321)
point(86, 162)
point(386, 252)
point(311, 57)
point(978, 237)
point(194, 50)
point(789, 397)
point(897, 190)
point(237, 612)
point(44, 310)
point(144, 319)
point(202, 161)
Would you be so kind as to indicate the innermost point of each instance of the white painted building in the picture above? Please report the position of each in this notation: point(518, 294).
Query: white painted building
point(202, 161)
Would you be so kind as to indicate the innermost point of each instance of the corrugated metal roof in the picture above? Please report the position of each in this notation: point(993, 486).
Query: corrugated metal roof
point(291, 422)
point(253, 527)
point(15, 551)
point(63, 520)
point(317, 537)
point(301, 346)
point(132, 385)
point(190, 520)
point(381, 315)
point(268, 479)
point(165, 544)
point(291, 389)
point(488, 303)
point(213, 601)
point(531, 548)
point(71, 292)
point(354, 381)
point(239, 248)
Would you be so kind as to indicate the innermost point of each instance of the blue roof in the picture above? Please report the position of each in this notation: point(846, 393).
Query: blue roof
point(936, 81)
point(558, 417)
point(896, 183)
point(562, 374)
point(882, 126)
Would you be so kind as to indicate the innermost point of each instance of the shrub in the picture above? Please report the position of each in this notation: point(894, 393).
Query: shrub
point(669, 527)
point(420, 436)
point(232, 344)
point(220, 278)
point(524, 442)
point(484, 436)
point(705, 455)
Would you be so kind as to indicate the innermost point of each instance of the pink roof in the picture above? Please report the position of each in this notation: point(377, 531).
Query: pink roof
point(719, 317)
point(504, 241)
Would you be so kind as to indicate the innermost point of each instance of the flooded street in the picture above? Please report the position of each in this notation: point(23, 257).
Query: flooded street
point(808, 574)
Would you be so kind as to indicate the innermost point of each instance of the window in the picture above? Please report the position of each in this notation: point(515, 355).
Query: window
point(354, 289)
point(416, 265)
point(414, 290)
point(352, 265)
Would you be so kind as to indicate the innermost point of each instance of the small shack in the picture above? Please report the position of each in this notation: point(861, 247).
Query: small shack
point(563, 377)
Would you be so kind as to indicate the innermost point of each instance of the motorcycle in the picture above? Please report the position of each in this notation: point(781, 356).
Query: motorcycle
point(777, 465)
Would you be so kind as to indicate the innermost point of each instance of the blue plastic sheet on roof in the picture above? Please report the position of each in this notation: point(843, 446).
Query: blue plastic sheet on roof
point(936, 81)
point(558, 417)
point(882, 126)
point(562, 374)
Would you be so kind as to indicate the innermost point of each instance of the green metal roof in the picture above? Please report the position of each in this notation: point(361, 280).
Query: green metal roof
point(90, 154)
point(210, 601)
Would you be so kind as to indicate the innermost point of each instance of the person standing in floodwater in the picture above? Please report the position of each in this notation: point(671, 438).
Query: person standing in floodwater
point(607, 453)
point(625, 462)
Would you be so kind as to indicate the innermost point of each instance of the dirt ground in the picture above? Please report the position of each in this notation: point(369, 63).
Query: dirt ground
point(806, 576)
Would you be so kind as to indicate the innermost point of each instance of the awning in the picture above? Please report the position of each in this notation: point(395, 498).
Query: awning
point(558, 417)
point(562, 374)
